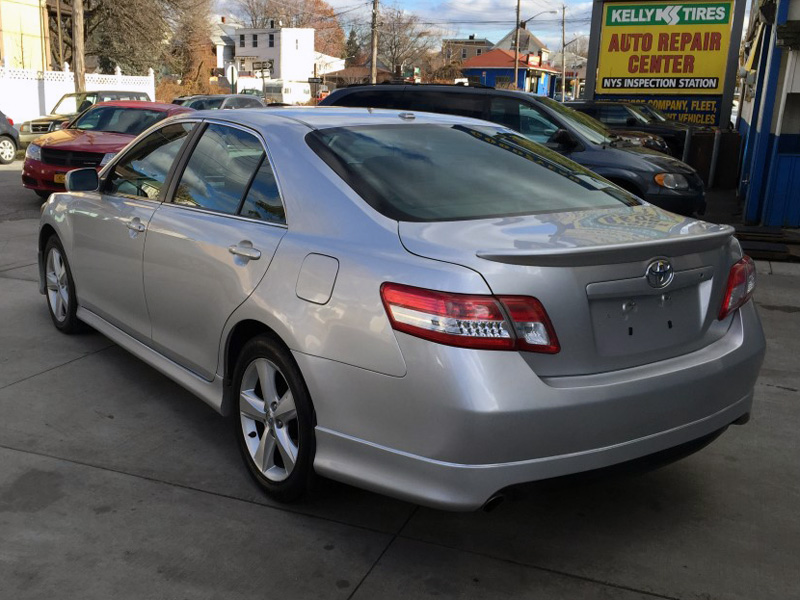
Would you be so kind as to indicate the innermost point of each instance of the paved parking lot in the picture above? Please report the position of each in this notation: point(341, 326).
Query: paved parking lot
point(116, 483)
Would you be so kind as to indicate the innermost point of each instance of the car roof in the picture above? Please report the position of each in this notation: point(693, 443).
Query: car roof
point(323, 117)
point(158, 106)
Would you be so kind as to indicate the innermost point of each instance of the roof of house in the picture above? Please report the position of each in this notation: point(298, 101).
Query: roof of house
point(528, 43)
point(483, 41)
point(500, 59)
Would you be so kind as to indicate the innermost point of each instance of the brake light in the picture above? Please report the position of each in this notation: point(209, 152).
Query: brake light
point(10, 122)
point(741, 283)
point(470, 321)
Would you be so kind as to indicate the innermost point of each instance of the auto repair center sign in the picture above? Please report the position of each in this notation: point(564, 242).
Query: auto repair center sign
point(671, 54)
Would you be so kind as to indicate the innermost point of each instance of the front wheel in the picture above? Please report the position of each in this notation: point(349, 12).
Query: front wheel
point(273, 419)
point(60, 288)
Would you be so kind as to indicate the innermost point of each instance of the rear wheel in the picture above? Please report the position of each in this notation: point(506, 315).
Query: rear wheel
point(60, 288)
point(8, 150)
point(273, 419)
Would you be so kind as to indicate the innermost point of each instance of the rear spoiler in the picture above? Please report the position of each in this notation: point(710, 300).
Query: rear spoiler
point(611, 253)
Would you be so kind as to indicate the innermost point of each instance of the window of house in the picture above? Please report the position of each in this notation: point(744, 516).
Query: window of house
point(297, 44)
point(478, 51)
point(463, 53)
point(255, 41)
point(271, 40)
point(271, 24)
point(241, 40)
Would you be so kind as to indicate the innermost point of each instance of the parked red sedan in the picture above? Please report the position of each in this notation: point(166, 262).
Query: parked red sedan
point(91, 140)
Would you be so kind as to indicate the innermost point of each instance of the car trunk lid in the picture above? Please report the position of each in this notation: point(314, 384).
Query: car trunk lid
point(588, 268)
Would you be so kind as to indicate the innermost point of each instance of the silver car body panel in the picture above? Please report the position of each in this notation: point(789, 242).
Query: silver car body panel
point(434, 424)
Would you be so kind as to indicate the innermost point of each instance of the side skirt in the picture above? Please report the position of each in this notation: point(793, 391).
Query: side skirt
point(210, 392)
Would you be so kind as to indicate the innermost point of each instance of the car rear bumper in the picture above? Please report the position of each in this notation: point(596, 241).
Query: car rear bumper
point(462, 424)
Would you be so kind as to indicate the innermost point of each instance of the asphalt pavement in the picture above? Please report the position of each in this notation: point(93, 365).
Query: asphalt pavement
point(117, 483)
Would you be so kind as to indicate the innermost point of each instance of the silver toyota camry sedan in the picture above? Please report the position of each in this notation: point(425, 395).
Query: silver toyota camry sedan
point(428, 306)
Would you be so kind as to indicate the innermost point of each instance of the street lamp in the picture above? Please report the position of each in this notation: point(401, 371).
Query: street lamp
point(516, 39)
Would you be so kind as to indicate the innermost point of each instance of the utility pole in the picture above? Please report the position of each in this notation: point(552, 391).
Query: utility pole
point(516, 50)
point(373, 68)
point(563, 53)
point(78, 52)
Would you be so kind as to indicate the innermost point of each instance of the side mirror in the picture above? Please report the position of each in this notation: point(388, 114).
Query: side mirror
point(631, 121)
point(82, 180)
point(562, 140)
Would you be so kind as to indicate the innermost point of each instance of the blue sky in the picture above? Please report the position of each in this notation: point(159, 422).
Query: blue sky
point(491, 19)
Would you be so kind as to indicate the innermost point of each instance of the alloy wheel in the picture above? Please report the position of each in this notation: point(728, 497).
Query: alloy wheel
point(57, 285)
point(7, 150)
point(269, 420)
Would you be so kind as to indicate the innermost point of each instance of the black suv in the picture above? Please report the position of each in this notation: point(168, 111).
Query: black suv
point(622, 115)
point(9, 140)
point(656, 177)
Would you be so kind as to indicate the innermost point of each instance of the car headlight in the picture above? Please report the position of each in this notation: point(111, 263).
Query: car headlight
point(33, 152)
point(107, 158)
point(672, 181)
point(25, 127)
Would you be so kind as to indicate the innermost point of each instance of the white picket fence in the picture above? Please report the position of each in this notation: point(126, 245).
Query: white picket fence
point(26, 94)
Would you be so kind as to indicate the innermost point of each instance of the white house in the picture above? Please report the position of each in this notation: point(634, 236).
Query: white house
point(286, 53)
point(325, 63)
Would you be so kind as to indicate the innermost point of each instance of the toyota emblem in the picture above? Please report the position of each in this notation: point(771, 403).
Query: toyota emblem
point(659, 273)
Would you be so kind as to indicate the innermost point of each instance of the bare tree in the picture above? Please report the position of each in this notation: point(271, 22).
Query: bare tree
point(191, 53)
point(402, 38)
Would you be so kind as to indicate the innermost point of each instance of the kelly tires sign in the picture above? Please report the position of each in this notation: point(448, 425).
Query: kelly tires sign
point(664, 48)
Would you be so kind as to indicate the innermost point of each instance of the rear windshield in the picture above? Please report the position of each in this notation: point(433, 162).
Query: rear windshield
point(456, 172)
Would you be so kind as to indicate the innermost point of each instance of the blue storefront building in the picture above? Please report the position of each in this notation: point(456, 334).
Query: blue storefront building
point(496, 68)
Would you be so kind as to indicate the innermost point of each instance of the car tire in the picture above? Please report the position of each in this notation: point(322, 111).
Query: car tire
point(8, 150)
point(60, 288)
point(43, 194)
point(274, 422)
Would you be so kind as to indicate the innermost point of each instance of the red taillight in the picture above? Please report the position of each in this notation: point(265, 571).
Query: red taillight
point(10, 122)
point(741, 283)
point(469, 321)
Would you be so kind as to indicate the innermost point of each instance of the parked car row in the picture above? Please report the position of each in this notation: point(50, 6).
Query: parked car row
point(429, 306)
point(654, 176)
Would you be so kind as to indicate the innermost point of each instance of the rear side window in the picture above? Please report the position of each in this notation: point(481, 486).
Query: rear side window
point(520, 116)
point(141, 173)
point(374, 99)
point(228, 172)
point(431, 172)
point(462, 104)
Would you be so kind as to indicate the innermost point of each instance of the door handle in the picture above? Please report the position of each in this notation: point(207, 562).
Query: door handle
point(135, 225)
point(247, 252)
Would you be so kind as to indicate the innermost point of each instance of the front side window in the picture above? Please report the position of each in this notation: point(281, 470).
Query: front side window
point(614, 115)
point(521, 116)
point(142, 172)
point(117, 119)
point(221, 170)
point(432, 172)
